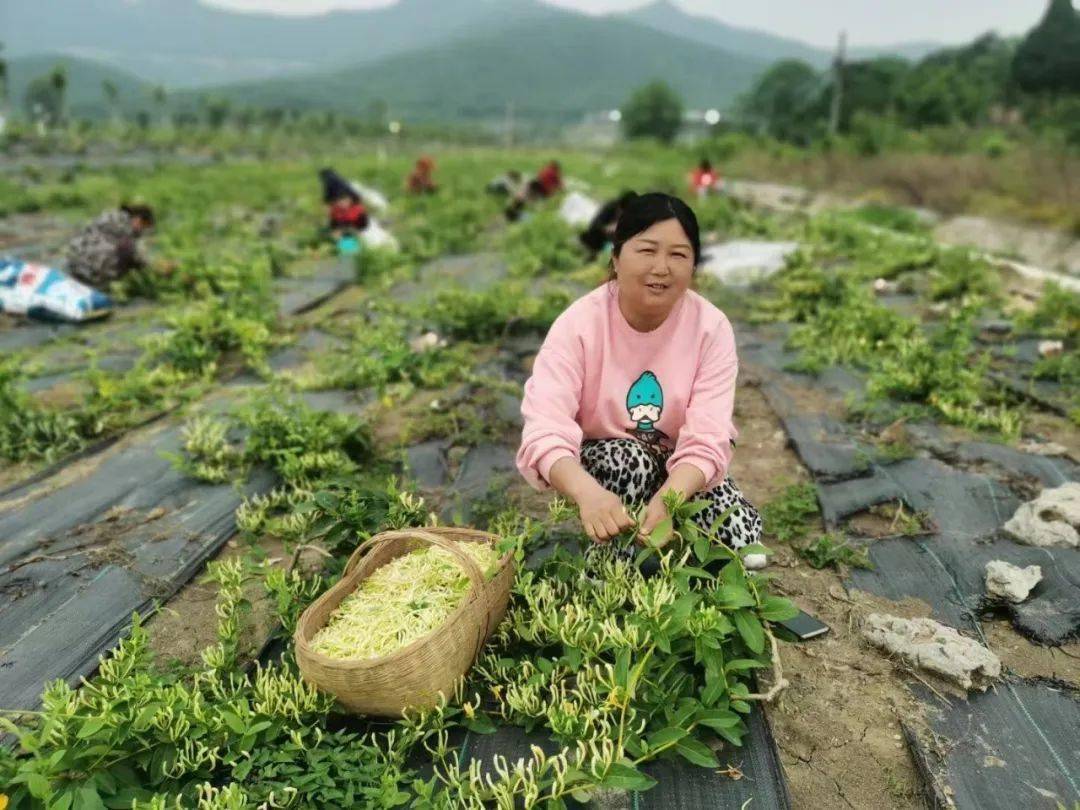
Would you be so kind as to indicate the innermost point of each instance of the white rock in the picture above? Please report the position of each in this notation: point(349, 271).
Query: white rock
point(882, 286)
point(934, 647)
point(1050, 348)
point(1052, 519)
point(1010, 582)
point(426, 342)
point(1043, 448)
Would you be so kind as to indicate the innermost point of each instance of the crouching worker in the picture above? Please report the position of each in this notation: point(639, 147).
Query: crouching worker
point(421, 179)
point(704, 180)
point(601, 231)
point(345, 209)
point(547, 183)
point(632, 393)
point(108, 248)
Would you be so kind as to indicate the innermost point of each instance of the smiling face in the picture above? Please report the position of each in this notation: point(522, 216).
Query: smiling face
point(653, 271)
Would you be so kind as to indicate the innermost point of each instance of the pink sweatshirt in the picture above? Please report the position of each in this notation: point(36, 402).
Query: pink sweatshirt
point(596, 377)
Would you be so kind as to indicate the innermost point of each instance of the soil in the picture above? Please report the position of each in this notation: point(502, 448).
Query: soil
point(845, 701)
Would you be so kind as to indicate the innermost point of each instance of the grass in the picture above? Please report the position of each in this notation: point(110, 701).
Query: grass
point(834, 551)
point(793, 514)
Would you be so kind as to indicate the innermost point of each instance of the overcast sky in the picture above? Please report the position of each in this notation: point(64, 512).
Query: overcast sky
point(868, 22)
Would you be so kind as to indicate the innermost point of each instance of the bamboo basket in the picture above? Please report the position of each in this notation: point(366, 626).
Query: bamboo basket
point(414, 675)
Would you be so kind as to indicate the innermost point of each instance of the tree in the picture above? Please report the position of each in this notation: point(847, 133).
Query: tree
point(870, 87)
point(786, 102)
point(112, 96)
point(58, 82)
point(1048, 59)
point(653, 111)
point(957, 84)
point(44, 98)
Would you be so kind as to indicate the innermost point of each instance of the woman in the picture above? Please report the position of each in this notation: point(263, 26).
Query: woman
point(703, 180)
point(344, 208)
point(632, 393)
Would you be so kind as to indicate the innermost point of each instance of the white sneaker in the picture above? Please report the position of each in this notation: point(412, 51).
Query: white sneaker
point(755, 562)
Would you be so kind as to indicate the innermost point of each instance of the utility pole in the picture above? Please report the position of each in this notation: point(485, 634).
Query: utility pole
point(838, 84)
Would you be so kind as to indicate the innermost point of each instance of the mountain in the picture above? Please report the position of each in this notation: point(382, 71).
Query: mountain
point(558, 65)
point(666, 16)
point(85, 94)
point(187, 43)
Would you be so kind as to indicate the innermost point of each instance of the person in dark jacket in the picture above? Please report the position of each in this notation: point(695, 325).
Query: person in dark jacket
point(601, 230)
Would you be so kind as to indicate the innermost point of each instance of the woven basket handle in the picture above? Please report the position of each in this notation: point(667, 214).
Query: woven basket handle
point(472, 570)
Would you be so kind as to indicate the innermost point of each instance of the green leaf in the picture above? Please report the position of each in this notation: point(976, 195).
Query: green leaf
point(235, 724)
point(701, 549)
point(717, 719)
point(665, 737)
point(777, 609)
point(750, 629)
point(91, 727)
point(88, 799)
point(743, 664)
point(659, 536)
point(713, 691)
point(38, 785)
point(684, 711)
point(622, 668)
point(735, 596)
point(627, 777)
point(691, 571)
point(754, 548)
point(480, 724)
point(696, 752)
point(733, 734)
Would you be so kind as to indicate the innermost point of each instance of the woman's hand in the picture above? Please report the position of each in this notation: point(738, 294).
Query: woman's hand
point(602, 514)
point(686, 479)
point(655, 514)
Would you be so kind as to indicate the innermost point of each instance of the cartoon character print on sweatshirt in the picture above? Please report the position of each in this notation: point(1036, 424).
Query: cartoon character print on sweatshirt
point(645, 404)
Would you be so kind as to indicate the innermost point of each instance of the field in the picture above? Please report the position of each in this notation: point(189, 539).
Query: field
point(178, 482)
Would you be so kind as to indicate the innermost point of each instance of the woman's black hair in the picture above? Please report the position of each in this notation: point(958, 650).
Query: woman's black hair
point(335, 187)
point(642, 211)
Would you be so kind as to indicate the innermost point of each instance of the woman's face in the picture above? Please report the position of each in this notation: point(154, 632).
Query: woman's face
point(654, 269)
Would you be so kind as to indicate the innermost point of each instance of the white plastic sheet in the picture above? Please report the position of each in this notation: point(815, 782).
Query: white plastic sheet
point(374, 200)
point(578, 210)
point(745, 261)
point(376, 236)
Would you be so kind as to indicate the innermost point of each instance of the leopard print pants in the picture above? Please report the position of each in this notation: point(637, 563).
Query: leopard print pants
point(635, 471)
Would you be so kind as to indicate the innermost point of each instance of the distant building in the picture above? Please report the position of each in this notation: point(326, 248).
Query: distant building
point(602, 127)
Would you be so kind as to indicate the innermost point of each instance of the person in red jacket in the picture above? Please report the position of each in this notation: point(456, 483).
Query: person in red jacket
point(548, 180)
point(344, 206)
point(547, 183)
point(704, 179)
point(421, 179)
